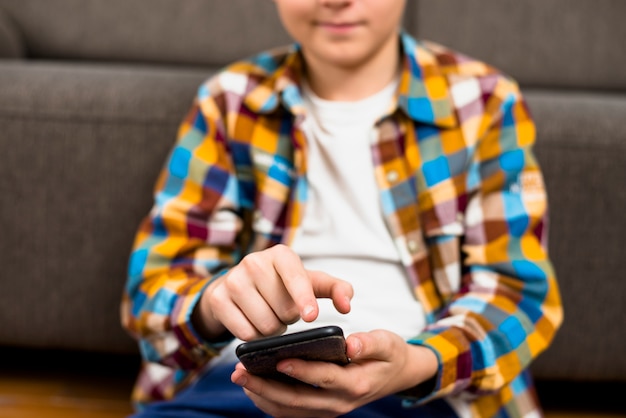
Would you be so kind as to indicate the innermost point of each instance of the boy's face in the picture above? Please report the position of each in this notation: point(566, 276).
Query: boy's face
point(344, 33)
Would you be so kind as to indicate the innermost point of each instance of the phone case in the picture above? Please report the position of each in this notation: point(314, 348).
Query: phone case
point(319, 344)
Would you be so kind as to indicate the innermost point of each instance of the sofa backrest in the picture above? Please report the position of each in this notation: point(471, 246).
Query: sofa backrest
point(202, 32)
point(542, 43)
point(559, 43)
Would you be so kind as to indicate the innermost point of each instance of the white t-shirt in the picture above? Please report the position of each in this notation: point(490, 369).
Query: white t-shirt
point(343, 232)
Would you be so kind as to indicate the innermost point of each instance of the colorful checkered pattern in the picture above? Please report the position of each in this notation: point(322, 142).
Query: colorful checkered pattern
point(461, 192)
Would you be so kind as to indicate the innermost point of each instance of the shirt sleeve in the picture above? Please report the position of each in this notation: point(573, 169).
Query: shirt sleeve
point(187, 240)
point(509, 307)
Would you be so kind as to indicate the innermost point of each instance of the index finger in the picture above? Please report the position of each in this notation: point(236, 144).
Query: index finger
point(305, 287)
point(294, 277)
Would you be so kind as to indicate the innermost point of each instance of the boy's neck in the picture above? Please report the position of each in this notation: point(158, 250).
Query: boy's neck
point(341, 83)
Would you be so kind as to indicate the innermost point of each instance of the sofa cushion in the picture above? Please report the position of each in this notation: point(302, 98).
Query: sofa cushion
point(556, 43)
point(76, 91)
point(581, 147)
point(81, 147)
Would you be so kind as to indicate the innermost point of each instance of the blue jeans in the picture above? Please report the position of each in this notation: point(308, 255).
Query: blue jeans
point(215, 396)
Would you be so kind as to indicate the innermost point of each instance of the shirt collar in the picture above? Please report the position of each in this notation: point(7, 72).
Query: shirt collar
point(423, 92)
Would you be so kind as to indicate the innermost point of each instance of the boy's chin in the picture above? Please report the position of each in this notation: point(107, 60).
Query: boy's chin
point(347, 58)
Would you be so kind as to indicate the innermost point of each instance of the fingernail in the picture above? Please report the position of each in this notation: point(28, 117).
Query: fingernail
point(308, 310)
point(241, 381)
point(286, 369)
point(357, 346)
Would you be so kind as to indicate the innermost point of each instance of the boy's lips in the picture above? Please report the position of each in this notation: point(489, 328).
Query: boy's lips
point(338, 27)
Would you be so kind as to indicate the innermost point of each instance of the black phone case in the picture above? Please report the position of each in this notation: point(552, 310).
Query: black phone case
point(319, 344)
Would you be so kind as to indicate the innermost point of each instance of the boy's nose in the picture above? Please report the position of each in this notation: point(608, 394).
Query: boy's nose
point(336, 4)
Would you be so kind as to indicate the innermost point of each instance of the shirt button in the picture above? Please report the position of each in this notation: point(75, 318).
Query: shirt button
point(392, 176)
point(198, 353)
point(413, 247)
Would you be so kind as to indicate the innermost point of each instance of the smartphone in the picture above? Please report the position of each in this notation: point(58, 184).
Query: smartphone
point(318, 344)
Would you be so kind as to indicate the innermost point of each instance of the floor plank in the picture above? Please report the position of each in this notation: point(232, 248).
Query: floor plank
point(51, 384)
point(72, 387)
point(66, 396)
point(63, 396)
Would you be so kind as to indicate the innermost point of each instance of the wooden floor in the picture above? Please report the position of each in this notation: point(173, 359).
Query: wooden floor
point(54, 388)
point(60, 397)
point(59, 384)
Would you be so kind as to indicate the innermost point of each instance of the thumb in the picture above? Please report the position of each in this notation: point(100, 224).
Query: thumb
point(326, 286)
point(373, 345)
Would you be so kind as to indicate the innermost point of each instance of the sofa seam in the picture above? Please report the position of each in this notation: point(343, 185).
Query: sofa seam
point(86, 119)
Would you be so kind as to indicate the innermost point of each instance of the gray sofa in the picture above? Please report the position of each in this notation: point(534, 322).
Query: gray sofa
point(92, 92)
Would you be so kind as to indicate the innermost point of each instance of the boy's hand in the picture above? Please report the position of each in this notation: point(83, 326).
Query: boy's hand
point(382, 364)
point(264, 293)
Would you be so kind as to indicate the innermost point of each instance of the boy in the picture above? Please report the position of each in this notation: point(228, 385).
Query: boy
point(361, 179)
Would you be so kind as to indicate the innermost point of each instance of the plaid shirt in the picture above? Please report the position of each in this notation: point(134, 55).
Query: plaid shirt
point(461, 193)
